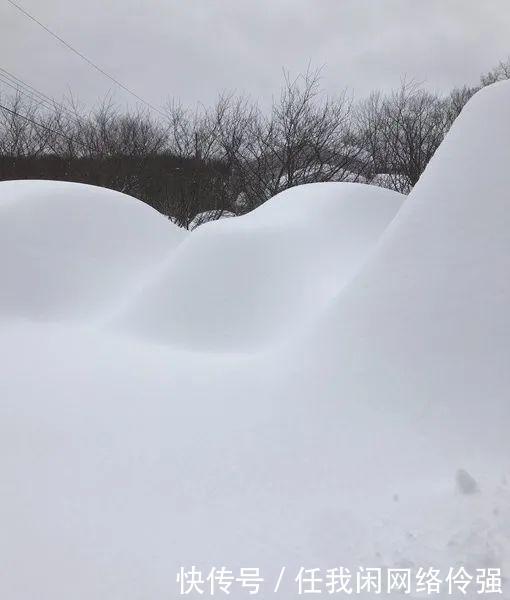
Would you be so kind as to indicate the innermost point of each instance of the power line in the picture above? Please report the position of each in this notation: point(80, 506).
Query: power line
point(34, 94)
point(45, 127)
point(83, 57)
point(17, 81)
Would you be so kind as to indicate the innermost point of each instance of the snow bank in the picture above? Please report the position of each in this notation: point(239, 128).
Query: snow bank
point(74, 250)
point(428, 319)
point(244, 282)
point(410, 362)
point(376, 439)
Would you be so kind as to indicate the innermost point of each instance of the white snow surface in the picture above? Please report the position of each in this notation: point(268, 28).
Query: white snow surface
point(253, 280)
point(345, 437)
point(70, 250)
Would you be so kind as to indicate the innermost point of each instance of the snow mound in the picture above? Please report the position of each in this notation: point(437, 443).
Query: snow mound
point(427, 319)
point(244, 282)
point(72, 250)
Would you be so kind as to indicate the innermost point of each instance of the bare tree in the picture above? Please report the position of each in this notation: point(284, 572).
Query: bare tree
point(457, 99)
point(234, 156)
point(400, 133)
point(305, 138)
point(19, 133)
point(200, 179)
point(499, 73)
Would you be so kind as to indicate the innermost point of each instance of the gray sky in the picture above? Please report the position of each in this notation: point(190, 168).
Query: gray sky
point(192, 49)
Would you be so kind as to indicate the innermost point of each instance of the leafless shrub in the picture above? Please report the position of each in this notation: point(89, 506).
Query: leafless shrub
point(499, 73)
point(232, 157)
point(400, 133)
point(304, 138)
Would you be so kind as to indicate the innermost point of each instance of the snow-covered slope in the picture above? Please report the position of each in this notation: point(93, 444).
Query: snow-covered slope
point(74, 250)
point(353, 445)
point(244, 282)
point(438, 290)
point(419, 343)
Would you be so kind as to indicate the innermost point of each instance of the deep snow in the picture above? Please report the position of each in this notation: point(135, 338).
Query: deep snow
point(70, 250)
point(348, 442)
point(246, 282)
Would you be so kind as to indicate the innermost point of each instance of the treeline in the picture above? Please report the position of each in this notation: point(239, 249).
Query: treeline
point(234, 156)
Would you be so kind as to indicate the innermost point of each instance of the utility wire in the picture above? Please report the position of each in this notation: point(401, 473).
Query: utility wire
point(83, 57)
point(26, 89)
point(18, 81)
point(45, 127)
point(47, 104)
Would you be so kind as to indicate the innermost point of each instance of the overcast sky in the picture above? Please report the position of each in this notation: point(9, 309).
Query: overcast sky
point(192, 49)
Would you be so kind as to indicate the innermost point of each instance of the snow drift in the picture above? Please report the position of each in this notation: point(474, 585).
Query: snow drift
point(74, 250)
point(378, 437)
point(436, 292)
point(244, 282)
